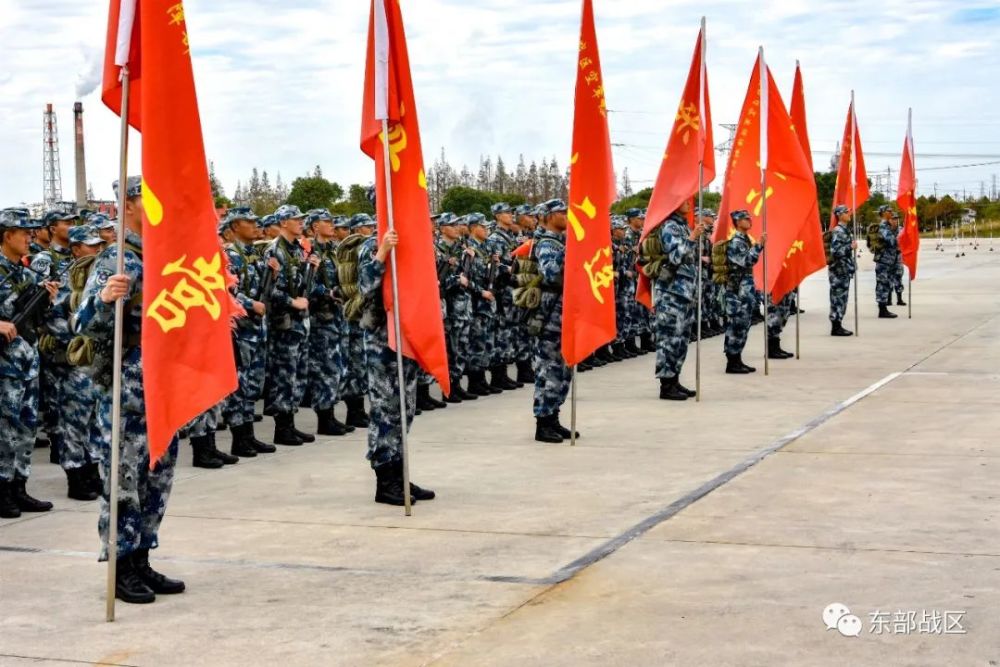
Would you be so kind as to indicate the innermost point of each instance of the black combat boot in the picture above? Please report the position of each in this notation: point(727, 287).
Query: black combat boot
point(584, 366)
point(129, 586)
point(456, 394)
point(748, 369)
point(774, 350)
point(8, 506)
point(596, 361)
point(438, 405)
point(604, 354)
point(55, 448)
point(227, 459)
point(734, 366)
point(632, 350)
point(836, 329)
point(241, 442)
point(671, 391)
point(563, 431)
point(203, 456)
point(158, 583)
point(389, 485)
point(41, 443)
point(648, 344)
point(93, 474)
point(547, 430)
point(25, 502)
point(618, 352)
point(511, 383)
point(477, 384)
point(885, 314)
point(327, 423)
point(524, 372)
point(305, 437)
point(78, 485)
point(899, 299)
point(490, 387)
point(424, 401)
point(356, 415)
point(457, 389)
point(261, 447)
point(690, 392)
point(284, 434)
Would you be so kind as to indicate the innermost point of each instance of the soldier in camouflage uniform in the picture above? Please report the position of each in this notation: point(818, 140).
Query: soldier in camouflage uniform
point(483, 327)
point(457, 289)
point(520, 340)
point(841, 269)
point(248, 267)
point(105, 227)
point(288, 327)
point(143, 492)
point(886, 260)
point(502, 243)
point(711, 298)
point(425, 380)
point(741, 294)
point(897, 282)
point(552, 375)
point(641, 326)
point(356, 376)
point(625, 277)
point(18, 368)
point(777, 317)
point(385, 433)
point(327, 362)
point(674, 297)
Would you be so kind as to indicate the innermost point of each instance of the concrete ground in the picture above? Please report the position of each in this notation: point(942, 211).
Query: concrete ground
point(716, 533)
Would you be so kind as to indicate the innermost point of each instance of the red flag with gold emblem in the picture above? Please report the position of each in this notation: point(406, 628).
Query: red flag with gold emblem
point(588, 317)
point(388, 95)
point(790, 185)
point(689, 147)
point(909, 239)
point(187, 349)
point(806, 256)
point(851, 168)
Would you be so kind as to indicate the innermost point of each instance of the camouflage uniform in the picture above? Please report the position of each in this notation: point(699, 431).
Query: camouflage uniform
point(288, 329)
point(502, 243)
point(778, 314)
point(143, 493)
point(483, 329)
point(385, 435)
point(841, 270)
point(624, 263)
point(249, 335)
point(459, 304)
point(639, 318)
point(675, 296)
point(552, 375)
point(886, 262)
point(50, 264)
point(326, 361)
point(741, 294)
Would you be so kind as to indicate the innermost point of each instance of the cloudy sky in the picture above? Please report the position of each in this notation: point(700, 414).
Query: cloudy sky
point(280, 81)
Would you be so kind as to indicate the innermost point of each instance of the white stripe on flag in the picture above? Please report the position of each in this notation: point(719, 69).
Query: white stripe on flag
point(702, 128)
point(854, 147)
point(126, 19)
point(381, 62)
point(764, 83)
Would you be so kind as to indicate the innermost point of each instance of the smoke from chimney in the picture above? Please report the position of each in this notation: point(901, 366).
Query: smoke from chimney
point(81, 165)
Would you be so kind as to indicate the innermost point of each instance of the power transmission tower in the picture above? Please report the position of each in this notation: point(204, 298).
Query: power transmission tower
point(727, 145)
point(51, 170)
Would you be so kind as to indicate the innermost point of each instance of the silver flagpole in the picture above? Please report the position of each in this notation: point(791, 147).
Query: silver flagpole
point(854, 211)
point(764, 81)
point(116, 374)
point(701, 204)
point(572, 410)
point(400, 376)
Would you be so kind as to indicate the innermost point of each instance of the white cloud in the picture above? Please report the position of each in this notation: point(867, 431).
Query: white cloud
point(280, 81)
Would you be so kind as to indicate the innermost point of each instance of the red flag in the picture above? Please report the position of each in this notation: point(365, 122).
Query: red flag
point(123, 20)
point(187, 352)
point(588, 316)
point(909, 240)
point(791, 185)
point(690, 145)
point(388, 95)
point(851, 168)
point(806, 256)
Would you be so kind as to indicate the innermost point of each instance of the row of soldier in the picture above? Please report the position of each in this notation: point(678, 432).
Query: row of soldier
point(315, 334)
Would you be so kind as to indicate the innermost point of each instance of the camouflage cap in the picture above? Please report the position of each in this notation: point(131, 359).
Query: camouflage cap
point(317, 215)
point(741, 214)
point(500, 207)
point(635, 213)
point(52, 217)
point(17, 218)
point(222, 226)
point(239, 213)
point(840, 209)
point(884, 208)
point(101, 221)
point(289, 212)
point(361, 220)
point(475, 219)
point(705, 213)
point(553, 206)
point(447, 219)
point(524, 209)
point(341, 222)
point(85, 234)
point(267, 221)
point(133, 187)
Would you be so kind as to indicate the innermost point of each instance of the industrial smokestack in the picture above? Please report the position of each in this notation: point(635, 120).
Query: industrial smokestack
point(81, 165)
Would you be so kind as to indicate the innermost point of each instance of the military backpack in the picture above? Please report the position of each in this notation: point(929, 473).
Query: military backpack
point(652, 258)
point(875, 241)
point(720, 262)
point(828, 245)
point(346, 258)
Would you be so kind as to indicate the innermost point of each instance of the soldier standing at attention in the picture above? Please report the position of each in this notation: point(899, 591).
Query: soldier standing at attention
point(18, 368)
point(520, 341)
point(670, 259)
point(741, 293)
point(841, 269)
point(356, 376)
point(143, 492)
point(898, 273)
point(484, 308)
point(288, 327)
point(885, 247)
point(502, 243)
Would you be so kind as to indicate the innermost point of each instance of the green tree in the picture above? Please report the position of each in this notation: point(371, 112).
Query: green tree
point(314, 192)
point(639, 200)
point(461, 200)
point(357, 197)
